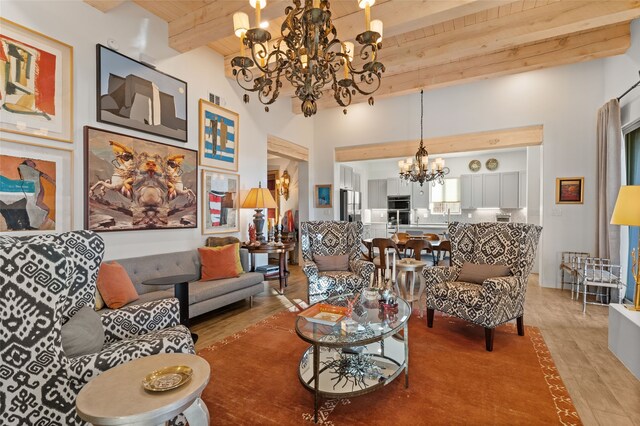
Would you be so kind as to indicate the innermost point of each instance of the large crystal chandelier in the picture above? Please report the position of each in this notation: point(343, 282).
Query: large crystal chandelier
point(418, 170)
point(308, 54)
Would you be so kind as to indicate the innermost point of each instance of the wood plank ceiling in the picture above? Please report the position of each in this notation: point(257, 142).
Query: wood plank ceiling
point(427, 43)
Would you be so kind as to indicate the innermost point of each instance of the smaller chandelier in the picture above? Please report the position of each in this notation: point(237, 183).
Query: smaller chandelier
point(418, 170)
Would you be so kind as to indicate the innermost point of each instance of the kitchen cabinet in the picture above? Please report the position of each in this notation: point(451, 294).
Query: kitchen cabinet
point(419, 201)
point(491, 190)
point(509, 190)
point(477, 191)
point(377, 194)
point(356, 182)
point(346, 177)
point(522, 183)
point(396, 187)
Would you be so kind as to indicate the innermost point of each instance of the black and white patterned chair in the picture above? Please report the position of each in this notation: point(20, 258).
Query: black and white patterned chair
point(333, 239)
point(496, 300)
point(44, 281)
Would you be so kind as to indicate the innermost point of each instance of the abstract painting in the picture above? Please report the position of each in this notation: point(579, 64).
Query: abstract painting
point(219, 136)
point(134, 183)
point(570, 190)
point(137, 96)
point(35, 188)
point(220, 208)
point(323, 194)
point(36, 83)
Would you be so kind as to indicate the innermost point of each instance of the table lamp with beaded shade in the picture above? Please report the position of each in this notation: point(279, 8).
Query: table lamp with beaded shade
point(627, 212)
point(259, 198)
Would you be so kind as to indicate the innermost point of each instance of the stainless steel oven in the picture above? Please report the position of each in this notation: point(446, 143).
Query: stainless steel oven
point(402, 202)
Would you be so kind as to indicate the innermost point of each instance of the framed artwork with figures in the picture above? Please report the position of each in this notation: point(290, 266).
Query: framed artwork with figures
point(134, 184)
point(36, 83)
point(219, 136)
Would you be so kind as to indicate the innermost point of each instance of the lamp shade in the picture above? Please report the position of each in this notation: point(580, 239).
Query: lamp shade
point(627, 209)
point(240, 23)
point(259, 198)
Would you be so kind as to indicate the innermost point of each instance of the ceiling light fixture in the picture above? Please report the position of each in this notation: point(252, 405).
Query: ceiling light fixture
point(309, 55)
point(418, 170)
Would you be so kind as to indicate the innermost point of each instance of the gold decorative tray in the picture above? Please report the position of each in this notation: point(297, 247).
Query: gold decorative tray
point(167, 378)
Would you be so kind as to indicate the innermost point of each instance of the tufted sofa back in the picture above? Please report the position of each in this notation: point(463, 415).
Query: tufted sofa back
point(510, 244)
point(330, 238)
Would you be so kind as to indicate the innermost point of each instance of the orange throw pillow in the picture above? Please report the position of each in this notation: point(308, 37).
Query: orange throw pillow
point(115, 286)
point(220, 262)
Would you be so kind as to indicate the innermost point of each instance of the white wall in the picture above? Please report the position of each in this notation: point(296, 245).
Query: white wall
point(564, 100)
point(82, 26)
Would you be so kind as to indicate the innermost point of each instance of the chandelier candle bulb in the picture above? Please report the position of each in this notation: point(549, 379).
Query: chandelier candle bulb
point(376, 26)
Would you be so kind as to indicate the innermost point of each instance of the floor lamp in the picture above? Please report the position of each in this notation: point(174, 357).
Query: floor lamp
point(259, 198)
point(627, 212)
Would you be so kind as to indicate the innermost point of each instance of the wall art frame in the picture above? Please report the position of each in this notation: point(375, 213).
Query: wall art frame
point(44, 181)
point(323, 196)
point(36, 83)
point(133, 95)
point(219, 130)
point(570, 190)
point(138, 184)
point(220, 202)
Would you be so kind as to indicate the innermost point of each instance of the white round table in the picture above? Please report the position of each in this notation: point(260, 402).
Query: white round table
point(116, 397)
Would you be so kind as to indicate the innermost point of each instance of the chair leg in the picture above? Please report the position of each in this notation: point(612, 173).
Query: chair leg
point(488, 337)
point(430, 313)
point(520, 322)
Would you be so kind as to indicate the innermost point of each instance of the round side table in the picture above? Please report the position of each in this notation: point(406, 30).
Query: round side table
point(408, 270)
point(116, 397)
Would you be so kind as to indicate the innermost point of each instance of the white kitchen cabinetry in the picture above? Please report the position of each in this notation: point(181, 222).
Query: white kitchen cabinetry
point(396, 187)
point(420, 201)
point(491, 190)
point(509, 190)
point(356, 182)
point(522, 203)
point(346, 177)
point(377, 194)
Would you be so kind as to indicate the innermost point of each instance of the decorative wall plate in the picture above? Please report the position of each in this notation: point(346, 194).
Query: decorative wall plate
point(474, 165)
point(491, 164)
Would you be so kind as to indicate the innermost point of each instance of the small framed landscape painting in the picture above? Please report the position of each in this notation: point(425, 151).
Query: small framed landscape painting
point(220, 202)
point(570, 190)
point(137, 96)
point(133, 183)
point(219, 136)
point(323, 196)
point(36, 84)
point(36, 188)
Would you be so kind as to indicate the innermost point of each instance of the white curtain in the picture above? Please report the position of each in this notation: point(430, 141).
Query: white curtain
point(609, 177)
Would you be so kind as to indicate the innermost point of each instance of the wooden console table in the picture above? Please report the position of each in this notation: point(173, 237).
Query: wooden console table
point(282, 251)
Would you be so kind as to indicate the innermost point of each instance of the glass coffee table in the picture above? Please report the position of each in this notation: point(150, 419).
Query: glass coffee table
point(352, 364)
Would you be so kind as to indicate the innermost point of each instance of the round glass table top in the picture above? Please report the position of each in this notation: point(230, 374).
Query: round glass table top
point(373, 323)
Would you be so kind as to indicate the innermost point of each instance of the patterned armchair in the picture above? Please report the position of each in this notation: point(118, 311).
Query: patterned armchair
point(44, 281)
point(496, 300)
point(333, 239)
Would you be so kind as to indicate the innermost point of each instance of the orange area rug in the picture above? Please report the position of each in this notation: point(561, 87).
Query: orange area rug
point(452, 380)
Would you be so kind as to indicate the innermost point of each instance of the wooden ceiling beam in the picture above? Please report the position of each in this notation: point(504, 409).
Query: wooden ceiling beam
point(478, 141)
point(556, 19)
point(579, 47)
point(104, 5)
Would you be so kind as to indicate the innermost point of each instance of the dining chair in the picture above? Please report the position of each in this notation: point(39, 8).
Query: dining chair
point(416, 245)
point(432, 237)
point(381, 262)
point(444, 248)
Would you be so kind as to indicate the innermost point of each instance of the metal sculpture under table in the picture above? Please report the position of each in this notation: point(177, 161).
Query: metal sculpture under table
point(355, 363)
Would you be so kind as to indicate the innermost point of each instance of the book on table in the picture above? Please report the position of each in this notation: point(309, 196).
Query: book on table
point(323, 313)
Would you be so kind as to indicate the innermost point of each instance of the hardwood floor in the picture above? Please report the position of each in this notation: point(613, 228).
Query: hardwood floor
point(603, 390)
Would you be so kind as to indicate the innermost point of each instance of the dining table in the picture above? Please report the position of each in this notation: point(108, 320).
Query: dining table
point(368, 243)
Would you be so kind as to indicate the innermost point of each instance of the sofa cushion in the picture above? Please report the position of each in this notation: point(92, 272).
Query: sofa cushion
point(220, 262)
point(479, 272)
point(332, 263)
point(83, 333)
point(204, 290)
point(115, 286)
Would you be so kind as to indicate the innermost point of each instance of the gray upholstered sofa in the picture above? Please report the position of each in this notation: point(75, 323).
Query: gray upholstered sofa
point(204, 296)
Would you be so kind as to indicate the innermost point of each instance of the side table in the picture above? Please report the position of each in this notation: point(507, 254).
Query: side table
point(282, 251)
point(408, 270)
point(180, 285)
point(116, 397)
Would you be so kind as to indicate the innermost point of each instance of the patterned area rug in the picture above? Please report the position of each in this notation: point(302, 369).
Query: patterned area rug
point(452, 380)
